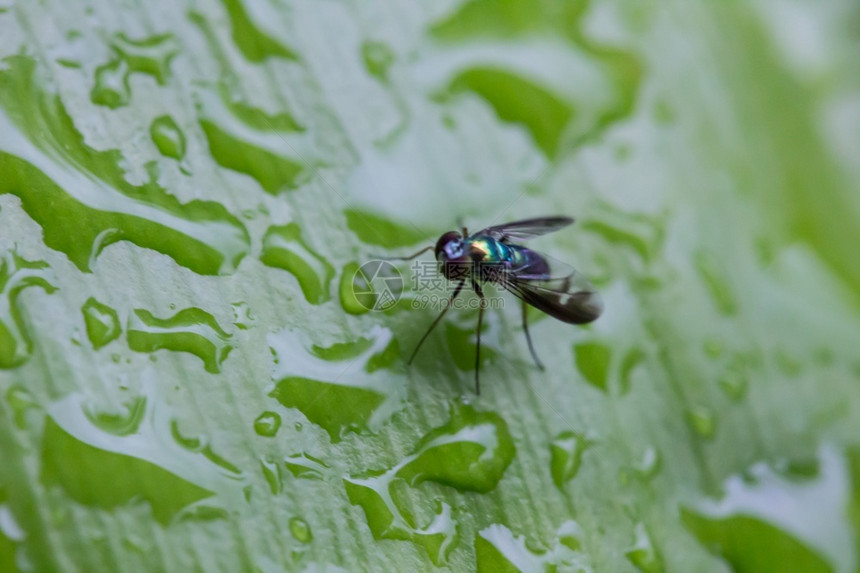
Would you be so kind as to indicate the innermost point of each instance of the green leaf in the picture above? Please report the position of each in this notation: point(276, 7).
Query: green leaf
point(199, 372)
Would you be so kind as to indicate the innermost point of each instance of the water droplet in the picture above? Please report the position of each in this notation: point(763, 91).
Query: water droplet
point(520, 78)
point(570, 535)
point(592, 360)
point(643, 554)
point(702, 420)
point(734, 385)
point(267, 424)
point(352, 282)
point(110, 86)
point(713, 348)
point(643, 234)
point(566, 452)
point(272, 472)
point(167, 137)
point(498, 549)
point(650, 463)
point(306, 466)
point(461, 345)
point(151, 55)
point(470, 453)
point(249, 141)
point(20, 400)
point(284, 248)
point(190, 330)
point(330, 393)
point(300, 529)
point(715, 278)
point(788, 363)
point(47, 162)
point(374, 229)
point(243, 317)
point(202, 511)
point(17, 274)
point(109, 470)
point(806, 515)
point(255, 44)
point(229, 468)
point(377, 57)
point(102, 323)
point(634, 358)
point(123, 423)
point(191, 443)
point(663, 112)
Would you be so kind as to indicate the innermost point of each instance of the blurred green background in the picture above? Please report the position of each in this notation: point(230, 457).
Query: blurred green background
point(188, 382)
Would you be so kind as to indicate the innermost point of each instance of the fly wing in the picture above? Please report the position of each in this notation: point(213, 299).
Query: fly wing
point(558, 298)
point(525, 229)
point(554, 288)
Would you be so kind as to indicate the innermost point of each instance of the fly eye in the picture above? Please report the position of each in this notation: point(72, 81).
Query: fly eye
point(454, 249)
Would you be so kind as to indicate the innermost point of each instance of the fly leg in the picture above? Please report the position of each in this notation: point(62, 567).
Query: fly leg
point(528, 337)
point(438, 318)
point(409, 258)
point(481, 307)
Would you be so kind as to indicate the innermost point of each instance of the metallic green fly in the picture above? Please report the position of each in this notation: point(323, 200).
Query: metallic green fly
point(491, 255)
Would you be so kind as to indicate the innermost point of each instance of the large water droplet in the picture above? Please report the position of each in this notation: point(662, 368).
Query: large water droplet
point(775, 520)
point(45, 161)
point(255, 44)
point(498, 549)
point(642, 234)
point(109, 470)
point(521, 79)
point(102, 323)
point(470, 453)
point(284, 248)
point(247, 140)
point(331, 393)
point(16, 274)
point(190, 330)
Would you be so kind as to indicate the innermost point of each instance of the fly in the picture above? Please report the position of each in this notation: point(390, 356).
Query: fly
point(492, 255)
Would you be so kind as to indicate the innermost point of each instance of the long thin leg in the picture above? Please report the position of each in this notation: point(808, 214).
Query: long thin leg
point(528, 337)
point(478, 346)
point(409, 258)
point(438, 318)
